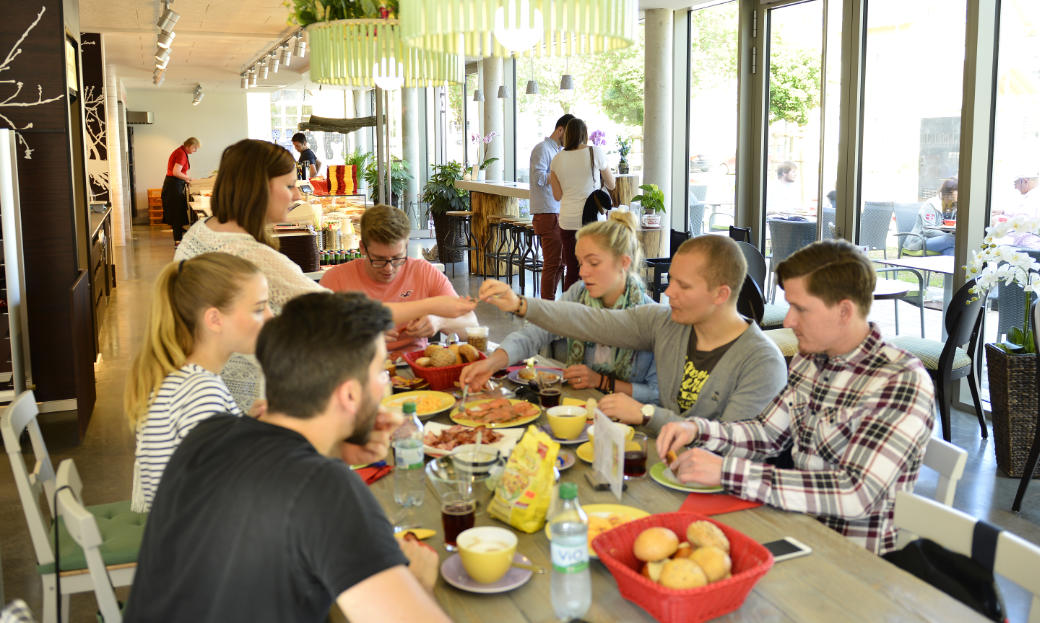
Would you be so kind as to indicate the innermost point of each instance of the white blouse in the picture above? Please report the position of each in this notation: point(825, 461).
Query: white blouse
point(578, 177)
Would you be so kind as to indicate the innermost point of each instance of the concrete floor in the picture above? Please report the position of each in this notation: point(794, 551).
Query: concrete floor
point(105, 456)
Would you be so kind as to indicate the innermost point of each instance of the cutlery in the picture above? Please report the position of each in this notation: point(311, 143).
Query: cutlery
point(532, 568)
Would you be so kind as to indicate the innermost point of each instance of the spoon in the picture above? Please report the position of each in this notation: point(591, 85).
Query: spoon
point(532, 568)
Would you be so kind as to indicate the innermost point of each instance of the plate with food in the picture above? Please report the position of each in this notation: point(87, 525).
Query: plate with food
point(664, 477)
point(524, 376)
point(603, 517)
point(496, 413)
point(408, 384)
point(440, 439)
point(427, 403)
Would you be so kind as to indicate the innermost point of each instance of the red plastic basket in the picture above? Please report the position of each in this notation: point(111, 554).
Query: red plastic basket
point(438, 378)
point(750, 562)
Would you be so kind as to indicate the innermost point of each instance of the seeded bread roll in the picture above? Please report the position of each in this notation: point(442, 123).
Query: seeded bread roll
point(432, 348)
point(442, 357)
point(704, 533)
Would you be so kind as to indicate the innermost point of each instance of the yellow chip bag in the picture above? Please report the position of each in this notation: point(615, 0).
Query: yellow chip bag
point(523, 495)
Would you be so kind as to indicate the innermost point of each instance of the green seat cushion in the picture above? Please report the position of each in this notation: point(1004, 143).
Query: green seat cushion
point(919, 252)
point(785, 341)
point(928, 351)
point(121, 531)
point(773, 316)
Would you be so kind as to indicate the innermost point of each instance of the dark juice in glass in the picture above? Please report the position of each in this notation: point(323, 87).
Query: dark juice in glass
point(456, 516)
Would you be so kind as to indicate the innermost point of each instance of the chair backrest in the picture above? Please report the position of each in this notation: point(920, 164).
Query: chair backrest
point(740, 234)
point(827, 223)
point(698, 192)
point(696, 220)
point(962, 316)
point(750, 302)
point(906, 214)
point(756, 264)
point(789, 236)
point(83, 528)
point(1016, 559)
point(948, 460)
point(17, 418)
point(874, 224)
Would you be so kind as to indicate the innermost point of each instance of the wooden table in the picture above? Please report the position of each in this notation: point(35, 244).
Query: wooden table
point(486, 199)
point(840, 581)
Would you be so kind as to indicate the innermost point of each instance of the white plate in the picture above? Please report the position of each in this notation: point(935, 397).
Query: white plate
point(453, 573)
point(510, 437)
point(565, 460)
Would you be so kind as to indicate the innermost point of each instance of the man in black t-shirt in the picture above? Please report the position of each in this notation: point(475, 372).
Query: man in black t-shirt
point(307, 166)
point(253, 521)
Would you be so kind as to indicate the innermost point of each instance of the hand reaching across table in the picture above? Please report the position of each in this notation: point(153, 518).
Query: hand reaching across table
point(499, 294)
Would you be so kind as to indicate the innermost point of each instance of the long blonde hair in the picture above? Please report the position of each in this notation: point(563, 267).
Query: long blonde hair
point(183, 291)
point(617, 234)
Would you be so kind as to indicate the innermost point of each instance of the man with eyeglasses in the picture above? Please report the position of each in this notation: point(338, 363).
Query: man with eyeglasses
point(387, 274)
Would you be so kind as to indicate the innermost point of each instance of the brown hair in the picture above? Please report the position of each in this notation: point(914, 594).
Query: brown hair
point(617, 234)
point(724, 263)
point(835, 270)
point(190, 141)
point(575, 134)
point(240, 193)
point(385, 225)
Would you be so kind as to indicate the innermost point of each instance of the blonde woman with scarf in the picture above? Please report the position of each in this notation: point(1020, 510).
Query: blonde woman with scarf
point(608, 253)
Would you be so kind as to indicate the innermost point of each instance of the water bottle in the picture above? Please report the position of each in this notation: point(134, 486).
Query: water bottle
point(569, 535)
point(409, 476)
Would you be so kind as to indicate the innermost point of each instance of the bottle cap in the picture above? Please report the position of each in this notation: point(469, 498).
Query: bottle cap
point(408, 408)
point(568, 490)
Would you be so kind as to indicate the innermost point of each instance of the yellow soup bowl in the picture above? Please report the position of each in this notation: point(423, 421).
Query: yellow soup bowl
point(566, 422)
point(486, 552)
point(629, 432)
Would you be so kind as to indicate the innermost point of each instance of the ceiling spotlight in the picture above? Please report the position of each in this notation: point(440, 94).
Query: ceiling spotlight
point(503, 92)
point(478, 95)
point(162, 54)
point(252, 76)
point(532, 87)
point(245, 81)
point(158, 76)
point(265, 70)
point(301, 45)
point(167, 20)
point(166, 39)
point(272, 61)
point(196, 95)
point(567, 82)
point(286, 55)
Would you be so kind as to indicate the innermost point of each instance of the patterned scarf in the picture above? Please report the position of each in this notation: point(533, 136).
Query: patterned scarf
point(621, 359)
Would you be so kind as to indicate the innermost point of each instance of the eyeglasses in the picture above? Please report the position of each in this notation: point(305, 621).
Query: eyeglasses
point(396, 262)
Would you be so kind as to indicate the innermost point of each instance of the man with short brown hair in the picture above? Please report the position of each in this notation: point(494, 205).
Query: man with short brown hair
point(856, 412)
point(387, 274)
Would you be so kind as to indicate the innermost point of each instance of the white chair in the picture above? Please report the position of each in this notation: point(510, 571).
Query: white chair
point(1016, 559)
point(121, 529)
point(948, 460)
point(83, 528)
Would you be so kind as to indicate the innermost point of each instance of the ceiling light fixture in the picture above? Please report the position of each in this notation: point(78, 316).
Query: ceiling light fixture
point(301, 45)
point(162, 55)
point(520, 27)
point(158, 76)
point(567, 81)
point(265, 70)
point(532, 86)
point(165, 39)
point(286, 55)
point(196, 95)
point(245, 81)
point(388, 74)
point(168, 18)
point(503, 92)
point(272, 60)
point(478, 95)
point(252, 76)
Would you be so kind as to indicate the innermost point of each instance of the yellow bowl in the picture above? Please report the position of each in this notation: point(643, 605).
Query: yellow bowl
point(629, 432)
point(486, 552)
point(566, 422)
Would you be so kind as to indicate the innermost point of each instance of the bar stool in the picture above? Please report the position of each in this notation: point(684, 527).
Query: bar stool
point(460, 237)
point(496, 245)
point(531, 258)
point(516, 251)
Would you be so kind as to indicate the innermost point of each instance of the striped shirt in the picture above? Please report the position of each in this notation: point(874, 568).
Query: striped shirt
point(857, 425)
point(186, 397)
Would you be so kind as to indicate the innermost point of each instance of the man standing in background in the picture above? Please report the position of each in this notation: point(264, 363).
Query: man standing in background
point(545, 211)
point(307, 165)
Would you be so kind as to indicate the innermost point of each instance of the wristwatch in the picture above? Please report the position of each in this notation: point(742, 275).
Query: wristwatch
point(648, 413)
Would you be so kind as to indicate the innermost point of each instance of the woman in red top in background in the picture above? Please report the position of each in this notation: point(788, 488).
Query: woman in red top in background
point(175, 188)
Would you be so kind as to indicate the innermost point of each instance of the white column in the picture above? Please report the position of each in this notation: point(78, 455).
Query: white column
point(411, 142)
point(493, 116)
point(657, 109)
point(121, 217)
point(363, 108)
point(349, 111)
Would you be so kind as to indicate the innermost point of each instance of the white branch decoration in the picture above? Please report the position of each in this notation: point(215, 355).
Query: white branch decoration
point(9, 101)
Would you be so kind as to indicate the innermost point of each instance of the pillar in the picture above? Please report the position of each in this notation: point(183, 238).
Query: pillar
point(121, 217)
point(657, 108)
point(412, 143)
point(493, 77)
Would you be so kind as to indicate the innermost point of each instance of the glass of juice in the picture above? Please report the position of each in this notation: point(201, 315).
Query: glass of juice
point(458, 512)
point(635, 456)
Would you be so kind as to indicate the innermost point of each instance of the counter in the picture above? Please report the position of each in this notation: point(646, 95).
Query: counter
point(494, 198)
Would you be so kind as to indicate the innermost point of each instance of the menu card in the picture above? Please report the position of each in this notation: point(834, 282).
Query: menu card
point(609, 452)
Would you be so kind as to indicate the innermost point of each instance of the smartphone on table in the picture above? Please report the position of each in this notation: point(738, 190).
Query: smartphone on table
point(787, 548)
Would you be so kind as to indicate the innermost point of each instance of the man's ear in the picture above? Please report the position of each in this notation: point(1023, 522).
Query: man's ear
point(348, 395)
point(847, 310)
point(723, 294)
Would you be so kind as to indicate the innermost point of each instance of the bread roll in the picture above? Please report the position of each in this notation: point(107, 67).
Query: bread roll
point(468, 353)
point(442, 357)
point(432, 348)
point(655, 543)
point(424, 362)
point(682, 573)
point(713, 561)
point(704, 533)
point(454, 349)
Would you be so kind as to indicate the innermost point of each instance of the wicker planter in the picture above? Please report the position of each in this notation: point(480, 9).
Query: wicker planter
point(446, 240)
point(1013, 398)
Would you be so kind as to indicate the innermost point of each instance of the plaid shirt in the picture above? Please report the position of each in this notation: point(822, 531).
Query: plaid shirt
point(858, 423)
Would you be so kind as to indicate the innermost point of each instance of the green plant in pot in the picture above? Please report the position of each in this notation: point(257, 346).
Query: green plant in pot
point(442, 196)
point(399, 177)
point(652, 201)
point(624, 146)
point(1011, 365)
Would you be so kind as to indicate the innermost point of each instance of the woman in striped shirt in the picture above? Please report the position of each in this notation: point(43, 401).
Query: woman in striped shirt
point(203, 310)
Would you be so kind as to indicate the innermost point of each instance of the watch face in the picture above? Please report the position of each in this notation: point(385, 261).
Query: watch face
point(647, 410)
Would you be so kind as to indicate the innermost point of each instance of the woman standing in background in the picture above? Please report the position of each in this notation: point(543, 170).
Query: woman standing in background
point(175, 188)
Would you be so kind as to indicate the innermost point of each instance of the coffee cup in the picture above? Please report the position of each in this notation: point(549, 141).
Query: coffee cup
point(566, 421)
point(486, 552)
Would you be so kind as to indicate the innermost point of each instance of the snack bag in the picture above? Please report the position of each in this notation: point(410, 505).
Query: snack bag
point(523, 495)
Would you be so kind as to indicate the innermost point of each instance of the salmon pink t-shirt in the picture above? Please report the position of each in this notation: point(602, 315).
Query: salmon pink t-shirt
point(416, 280)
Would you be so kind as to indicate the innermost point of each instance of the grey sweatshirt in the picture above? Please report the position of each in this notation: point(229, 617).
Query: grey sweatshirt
point(747, 377)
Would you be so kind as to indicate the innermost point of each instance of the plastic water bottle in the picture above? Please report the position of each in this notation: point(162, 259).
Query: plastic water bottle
point(569, 534)
point(409, 476)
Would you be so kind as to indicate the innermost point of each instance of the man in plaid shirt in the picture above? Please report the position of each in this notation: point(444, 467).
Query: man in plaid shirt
point(856, 412)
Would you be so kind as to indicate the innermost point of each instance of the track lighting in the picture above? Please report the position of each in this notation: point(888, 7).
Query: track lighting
point(272, 61)
point(165, 39)
point(301, 45)
point(168, 19)
point(252, 76)
point(162, 55)
point(286, 55)
point(265, 71)
point(245, 81)
point(196, 95)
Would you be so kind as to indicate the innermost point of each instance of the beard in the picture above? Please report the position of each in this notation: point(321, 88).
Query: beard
point(364, 420)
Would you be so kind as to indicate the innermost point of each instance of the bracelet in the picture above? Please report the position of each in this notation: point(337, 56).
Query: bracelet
point(519, 305)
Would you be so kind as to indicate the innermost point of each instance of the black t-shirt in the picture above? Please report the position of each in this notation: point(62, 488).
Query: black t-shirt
point(250, 523)
point(307, 157)
point(696, 370)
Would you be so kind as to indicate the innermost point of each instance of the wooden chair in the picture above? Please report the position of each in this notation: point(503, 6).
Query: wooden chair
point(121, 529)
point(83, 528)
point(1015, 558)
point(948, 460)
point(954, 358)
point(1034, 452)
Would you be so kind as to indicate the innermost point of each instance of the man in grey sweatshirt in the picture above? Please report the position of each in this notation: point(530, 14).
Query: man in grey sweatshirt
point(711, 362)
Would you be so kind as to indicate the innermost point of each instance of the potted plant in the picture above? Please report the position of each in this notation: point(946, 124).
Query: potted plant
point(1011, 365)
point(399, 177)
point(482, 142)
point(442, 196)
point(652, 201)
point(624, 146)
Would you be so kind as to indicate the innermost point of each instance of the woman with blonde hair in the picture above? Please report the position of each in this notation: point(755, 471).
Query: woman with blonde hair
point(609, 255)
point(255, 187)
point(203, 310)
point(175, 188)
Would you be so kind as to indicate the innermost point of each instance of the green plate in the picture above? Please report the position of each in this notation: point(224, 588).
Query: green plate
point(657, 472)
